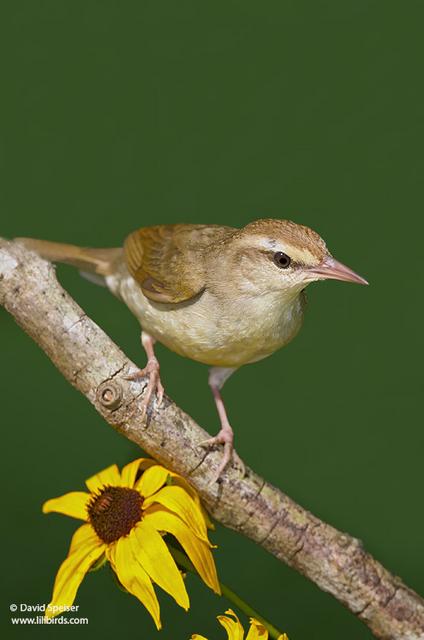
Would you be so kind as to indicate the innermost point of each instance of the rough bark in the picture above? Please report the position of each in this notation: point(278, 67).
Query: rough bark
point(93, 364)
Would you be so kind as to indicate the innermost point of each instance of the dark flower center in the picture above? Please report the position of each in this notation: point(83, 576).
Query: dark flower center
point(114, 512)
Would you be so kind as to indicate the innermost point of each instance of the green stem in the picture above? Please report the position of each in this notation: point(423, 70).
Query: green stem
point(228, 593)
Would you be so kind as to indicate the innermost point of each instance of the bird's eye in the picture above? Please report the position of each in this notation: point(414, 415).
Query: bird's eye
point(282, 260)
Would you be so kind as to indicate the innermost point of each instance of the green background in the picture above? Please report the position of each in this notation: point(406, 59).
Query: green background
point(116, 115)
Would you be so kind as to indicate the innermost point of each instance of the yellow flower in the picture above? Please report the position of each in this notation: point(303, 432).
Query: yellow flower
point(236, 632)
point(125, 518)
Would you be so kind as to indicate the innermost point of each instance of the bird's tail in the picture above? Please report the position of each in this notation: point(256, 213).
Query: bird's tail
point(95, 261)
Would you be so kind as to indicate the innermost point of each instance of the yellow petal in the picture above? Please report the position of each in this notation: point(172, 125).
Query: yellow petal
point(152, 480)
point(71, 504)
point(84, 534)
point(197, 550)
point(233, 627)
point(129, 472)
point(182, 482)
point(152, 553)
point(133, 577)
point(109, 476)
point(257, 631)
point(177, 500)
point(196, 636)
point(70, 576)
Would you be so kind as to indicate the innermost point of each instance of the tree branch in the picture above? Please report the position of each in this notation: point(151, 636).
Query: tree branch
point(93, 364)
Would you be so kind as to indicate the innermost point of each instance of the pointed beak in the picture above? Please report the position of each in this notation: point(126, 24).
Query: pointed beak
point(331, 269)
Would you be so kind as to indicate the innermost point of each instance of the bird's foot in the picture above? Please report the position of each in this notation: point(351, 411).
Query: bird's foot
point(154, 384)
point(225, 437)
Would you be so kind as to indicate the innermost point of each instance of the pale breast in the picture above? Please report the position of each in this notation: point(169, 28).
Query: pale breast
point(206, 329)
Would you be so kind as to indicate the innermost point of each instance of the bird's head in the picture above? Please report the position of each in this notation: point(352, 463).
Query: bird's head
point(282, 256)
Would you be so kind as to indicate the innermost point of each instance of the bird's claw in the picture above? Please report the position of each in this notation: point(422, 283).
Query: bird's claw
point(225, 437)
point(154, 384)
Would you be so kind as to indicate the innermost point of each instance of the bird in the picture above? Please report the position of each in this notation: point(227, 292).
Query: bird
point(219, 295)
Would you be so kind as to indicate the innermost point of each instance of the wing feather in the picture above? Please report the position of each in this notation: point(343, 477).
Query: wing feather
point(167, 261)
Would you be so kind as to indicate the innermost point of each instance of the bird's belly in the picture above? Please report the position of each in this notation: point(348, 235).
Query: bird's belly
point(226, 335)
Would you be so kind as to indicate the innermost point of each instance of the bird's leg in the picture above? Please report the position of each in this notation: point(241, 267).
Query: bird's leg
point(151, 370)
point(217, 378)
